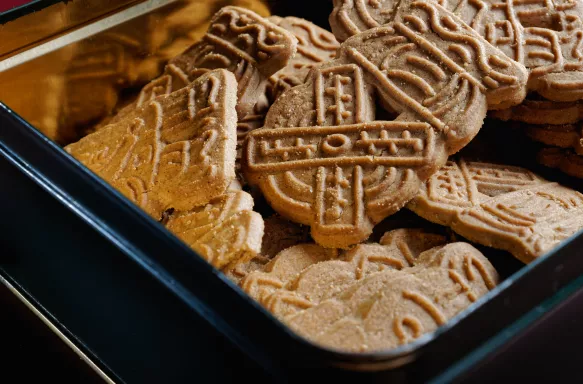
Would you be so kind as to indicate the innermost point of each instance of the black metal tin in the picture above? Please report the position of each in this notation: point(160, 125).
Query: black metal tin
point(129, 293)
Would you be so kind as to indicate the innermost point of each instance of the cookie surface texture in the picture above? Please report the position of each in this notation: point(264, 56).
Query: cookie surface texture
point(176, 151)
point(545, 36)
point(391, 308)
point(322, 160)
point(501, 206)
point(322, 277)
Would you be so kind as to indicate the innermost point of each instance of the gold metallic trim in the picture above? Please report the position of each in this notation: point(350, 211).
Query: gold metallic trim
point(83, 32)
point(56, 331)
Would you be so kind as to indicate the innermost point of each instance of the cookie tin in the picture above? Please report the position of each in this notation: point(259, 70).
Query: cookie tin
point(134, 299)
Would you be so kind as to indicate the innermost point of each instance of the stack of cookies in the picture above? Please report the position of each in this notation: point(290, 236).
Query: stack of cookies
point(330, 134)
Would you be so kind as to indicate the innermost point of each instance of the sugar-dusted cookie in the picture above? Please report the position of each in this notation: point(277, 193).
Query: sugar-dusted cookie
point(541, 112)
point(317, 275)
point(500, 206)
point(394, 307)
point(545, 36)
point(322, 161)
point(238, 40)
point(566, 161)
point(315, 46)
point(175, 151)
point(563, 136)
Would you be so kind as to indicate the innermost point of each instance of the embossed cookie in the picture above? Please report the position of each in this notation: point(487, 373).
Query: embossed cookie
point(542, 112)
point(564, 160)
point(238, 40)
point(545, 36)
point(563, 136)
point(464, 184)
point(175, 151)
point(502, 207)
point(322, 161)
point(392, 308)
point(317, 276)
point(315, 46)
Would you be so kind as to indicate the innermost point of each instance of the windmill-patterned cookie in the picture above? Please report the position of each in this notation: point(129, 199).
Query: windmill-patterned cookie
point(566, 161)
point(544, 35)
point(176, 151)
point(501, 206)
point(315, 46)
point(238, 40)
point(541, 112)
point(392, 308)
point(341, 172)
point(563, 136)
point(326, 277)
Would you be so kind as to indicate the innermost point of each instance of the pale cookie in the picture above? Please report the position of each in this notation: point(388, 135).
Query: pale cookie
point(541, 112)
point(315, 46)
point(464, 184)
point(176, 151)
point(325, 277)
point(392, 308)
point(284, 267)
point(341, 172)
point(545, 36)
point(527, 223)
point(503, 207)
point(564, 160)
point(238, 40)
point(564, 136)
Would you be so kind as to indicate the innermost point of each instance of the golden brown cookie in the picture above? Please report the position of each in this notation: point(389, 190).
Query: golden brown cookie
point(545, 36)
point(503, 207)
point(235, 240)
point(317, 277)
point(175, 151)
point(541, 112)
point(322, 161)
point(238, 40)
point(315, 46)
point(191, 225)
point(563, 136)
point(565, 160)
point(392, 308)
